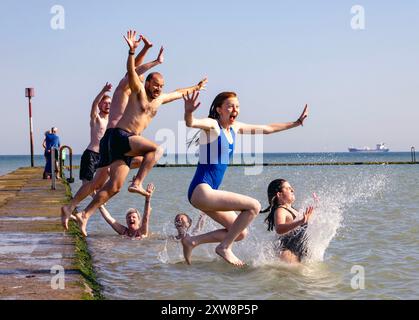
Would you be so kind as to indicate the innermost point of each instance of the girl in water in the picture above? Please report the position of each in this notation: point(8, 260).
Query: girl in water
point(218, 135)
point(283, 218)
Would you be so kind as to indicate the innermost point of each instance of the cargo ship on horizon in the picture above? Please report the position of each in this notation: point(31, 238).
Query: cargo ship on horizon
point(379, 148)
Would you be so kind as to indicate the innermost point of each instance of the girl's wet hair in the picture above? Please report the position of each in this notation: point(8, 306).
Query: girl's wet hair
point(213, 114)
point(273, 188)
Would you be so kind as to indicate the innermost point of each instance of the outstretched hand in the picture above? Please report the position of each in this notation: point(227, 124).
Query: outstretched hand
point(150, 190)
point(130, 39)
point(191, 102)
point(202, 84)
point(303, 116)
point(160, 57)
point(307, 215)
point(107, 87)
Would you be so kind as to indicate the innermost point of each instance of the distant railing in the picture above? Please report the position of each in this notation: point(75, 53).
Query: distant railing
point(62, 160)
point(413, 151)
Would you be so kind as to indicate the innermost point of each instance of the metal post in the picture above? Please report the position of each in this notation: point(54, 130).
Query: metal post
point(70, 154)
point(53, 176)
point(29, 93)
point(413, 151)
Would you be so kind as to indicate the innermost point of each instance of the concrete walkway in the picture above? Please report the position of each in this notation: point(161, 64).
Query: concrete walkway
point(32, 241)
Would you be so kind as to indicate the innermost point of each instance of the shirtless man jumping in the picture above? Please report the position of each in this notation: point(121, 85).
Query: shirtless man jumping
point(117, 108)
point(99, 115)
point(124, 141)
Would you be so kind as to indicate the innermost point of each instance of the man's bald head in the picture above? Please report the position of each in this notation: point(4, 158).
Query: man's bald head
point(154, 85)
point(154, 75)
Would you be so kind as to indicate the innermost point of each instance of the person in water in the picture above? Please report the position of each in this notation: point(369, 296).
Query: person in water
point(283, 218)
point(218, 135)
point(137, 226)
point(183, 223)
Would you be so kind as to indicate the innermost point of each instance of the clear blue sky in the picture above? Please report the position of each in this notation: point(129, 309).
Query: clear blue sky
point(362, 86)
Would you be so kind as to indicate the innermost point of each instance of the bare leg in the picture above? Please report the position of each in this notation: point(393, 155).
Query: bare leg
point(136, 162)
point(215, 204)
point(150, 160)
point(152, 154)
point(226, 219)
point(118, 173)
point(85, 190)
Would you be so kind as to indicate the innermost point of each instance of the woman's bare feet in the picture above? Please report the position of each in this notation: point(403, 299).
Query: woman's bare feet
point(229, 256)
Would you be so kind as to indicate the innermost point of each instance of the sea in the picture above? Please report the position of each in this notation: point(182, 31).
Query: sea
point(363, 237)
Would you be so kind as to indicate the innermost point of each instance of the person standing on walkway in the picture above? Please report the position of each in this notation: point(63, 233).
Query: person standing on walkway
point(52, 141)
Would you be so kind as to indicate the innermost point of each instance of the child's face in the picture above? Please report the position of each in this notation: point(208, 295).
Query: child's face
point(287, 195)
point(182, 221)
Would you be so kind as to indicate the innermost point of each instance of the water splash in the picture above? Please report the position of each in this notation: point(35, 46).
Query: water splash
point(334, 203)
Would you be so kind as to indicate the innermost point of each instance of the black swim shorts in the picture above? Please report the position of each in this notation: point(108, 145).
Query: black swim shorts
point(88, 164)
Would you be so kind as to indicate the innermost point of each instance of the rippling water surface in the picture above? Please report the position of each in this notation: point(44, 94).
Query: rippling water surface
point(367, 219)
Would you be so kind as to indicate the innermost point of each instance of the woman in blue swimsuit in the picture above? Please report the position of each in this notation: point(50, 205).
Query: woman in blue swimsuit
point(216, 148)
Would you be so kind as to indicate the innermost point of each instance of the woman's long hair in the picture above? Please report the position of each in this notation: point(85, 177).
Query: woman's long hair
point(273, 188)
point(213, 114)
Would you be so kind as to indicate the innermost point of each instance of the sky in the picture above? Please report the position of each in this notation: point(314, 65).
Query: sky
point(361, 85)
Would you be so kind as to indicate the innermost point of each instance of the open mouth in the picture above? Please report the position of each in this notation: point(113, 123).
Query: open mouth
point(233, 117)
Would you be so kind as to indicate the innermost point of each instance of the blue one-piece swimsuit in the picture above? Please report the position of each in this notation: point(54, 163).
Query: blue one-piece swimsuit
point(214, 159)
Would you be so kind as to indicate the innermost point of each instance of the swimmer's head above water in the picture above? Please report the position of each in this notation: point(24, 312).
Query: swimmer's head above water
point(154, 85)
point(182, 224)
point(133, 219)
point(280, 193)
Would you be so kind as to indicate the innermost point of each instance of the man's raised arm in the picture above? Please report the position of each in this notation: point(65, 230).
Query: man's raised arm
point(179, 93)
point(95, 104)
point(147, 66)
point(133, 79)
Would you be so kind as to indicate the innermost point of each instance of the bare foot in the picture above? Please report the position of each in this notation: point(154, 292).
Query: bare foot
point(133, 188)
point(65, 216)
point(229, 256)
point(82, 222)
point(188, 246)
point(147, 43)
